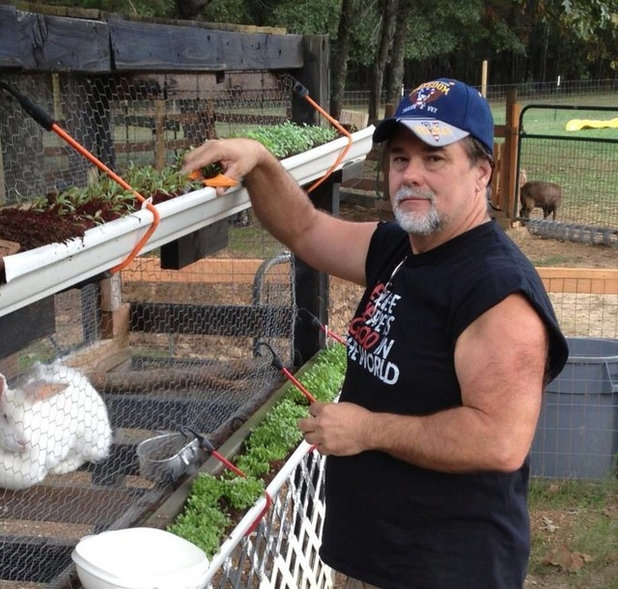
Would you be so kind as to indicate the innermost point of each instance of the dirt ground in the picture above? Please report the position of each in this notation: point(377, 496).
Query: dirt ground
point(564, 254)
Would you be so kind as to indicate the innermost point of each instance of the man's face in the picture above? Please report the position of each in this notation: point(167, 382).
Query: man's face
point(433, 188)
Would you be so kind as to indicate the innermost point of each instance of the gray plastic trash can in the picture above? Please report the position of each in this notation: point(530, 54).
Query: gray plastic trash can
point(577, 433)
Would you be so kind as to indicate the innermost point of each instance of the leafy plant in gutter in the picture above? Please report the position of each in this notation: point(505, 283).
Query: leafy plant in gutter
point(213, 501)
point(289, 139)
point(61, 216)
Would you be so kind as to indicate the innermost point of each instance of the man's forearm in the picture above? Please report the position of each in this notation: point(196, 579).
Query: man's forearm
point(461, 439)
point(280, 204)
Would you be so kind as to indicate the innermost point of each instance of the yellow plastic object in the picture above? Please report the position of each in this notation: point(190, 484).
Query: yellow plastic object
point(579, 124)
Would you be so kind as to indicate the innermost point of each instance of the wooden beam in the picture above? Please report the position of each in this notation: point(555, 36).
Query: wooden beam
point(509, 156)
point(159, 134)
point(196, 245)
point(2, 183)
point(47, 42)
point(207, 271)
point(312, 287)
point(240, 85)
point(156, 47)
point(580, 280)
point(315, 63)
point(101, 356)
point(43, 42)
point(15, 49)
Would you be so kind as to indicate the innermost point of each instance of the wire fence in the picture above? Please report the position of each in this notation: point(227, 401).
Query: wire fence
point(582, 92)
point(568, 171)
point(126, 122)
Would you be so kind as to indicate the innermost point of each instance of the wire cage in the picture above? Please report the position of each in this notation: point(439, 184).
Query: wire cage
point(157, 348)
point(126, 122)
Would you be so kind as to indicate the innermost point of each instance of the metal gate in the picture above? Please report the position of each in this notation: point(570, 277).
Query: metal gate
point(574, 148)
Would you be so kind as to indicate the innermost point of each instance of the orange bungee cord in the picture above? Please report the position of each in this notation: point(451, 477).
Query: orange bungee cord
point(303, 92)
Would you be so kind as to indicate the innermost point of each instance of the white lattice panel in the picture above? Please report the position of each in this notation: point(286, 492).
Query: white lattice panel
point(282, 552)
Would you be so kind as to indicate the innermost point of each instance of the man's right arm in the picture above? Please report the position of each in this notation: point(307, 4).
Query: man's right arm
point(324, 242)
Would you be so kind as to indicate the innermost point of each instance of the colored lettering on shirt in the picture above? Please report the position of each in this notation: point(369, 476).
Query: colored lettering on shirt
point(368, 344)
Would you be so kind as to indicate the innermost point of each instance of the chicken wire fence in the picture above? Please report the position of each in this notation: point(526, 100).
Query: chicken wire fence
point(147, 352)
point(126, 122)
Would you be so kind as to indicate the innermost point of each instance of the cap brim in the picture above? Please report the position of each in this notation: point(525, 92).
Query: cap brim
point(430, 131)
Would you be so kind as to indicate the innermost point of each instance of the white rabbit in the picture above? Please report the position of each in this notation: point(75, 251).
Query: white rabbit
point(53, 423)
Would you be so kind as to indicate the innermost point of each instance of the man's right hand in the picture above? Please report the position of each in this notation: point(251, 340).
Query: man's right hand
point(238, 157)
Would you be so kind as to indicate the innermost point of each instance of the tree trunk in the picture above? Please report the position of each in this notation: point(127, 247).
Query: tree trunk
point(385, 41)
point(190, 8)
point(339, 61)
point(396, 68)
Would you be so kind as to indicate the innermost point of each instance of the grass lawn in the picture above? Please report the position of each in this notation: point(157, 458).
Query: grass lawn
point(574, 534)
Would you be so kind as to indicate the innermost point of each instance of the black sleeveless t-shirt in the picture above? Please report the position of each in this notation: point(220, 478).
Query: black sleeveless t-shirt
point(388, 522)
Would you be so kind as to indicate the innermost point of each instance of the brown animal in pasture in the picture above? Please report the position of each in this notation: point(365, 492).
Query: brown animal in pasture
point(537, 193)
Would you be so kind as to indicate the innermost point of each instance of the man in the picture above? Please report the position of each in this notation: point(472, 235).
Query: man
point(448, 354)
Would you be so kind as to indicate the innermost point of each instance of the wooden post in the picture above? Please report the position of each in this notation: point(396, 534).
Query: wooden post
point(114, 313)
point(311, 286)
point(2, 184)
point(314, 77)
point(57, 97)
point(211, 120)
point(159, 120)
point(509, 155)
point(389, 109)
point(496, 179)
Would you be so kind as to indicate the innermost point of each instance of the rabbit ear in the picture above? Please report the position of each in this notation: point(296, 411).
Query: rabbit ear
point(3, 385)
point(38, 390)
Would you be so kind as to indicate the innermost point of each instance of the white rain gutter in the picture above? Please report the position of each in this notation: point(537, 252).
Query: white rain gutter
point(35, 274)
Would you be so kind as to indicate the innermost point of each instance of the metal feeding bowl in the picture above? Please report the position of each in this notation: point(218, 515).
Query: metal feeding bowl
point(167, 457)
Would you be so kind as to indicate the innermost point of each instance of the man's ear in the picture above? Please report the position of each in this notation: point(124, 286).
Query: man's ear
point(485, 170)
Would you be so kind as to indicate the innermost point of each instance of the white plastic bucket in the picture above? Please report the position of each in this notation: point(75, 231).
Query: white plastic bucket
point(139, 558)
